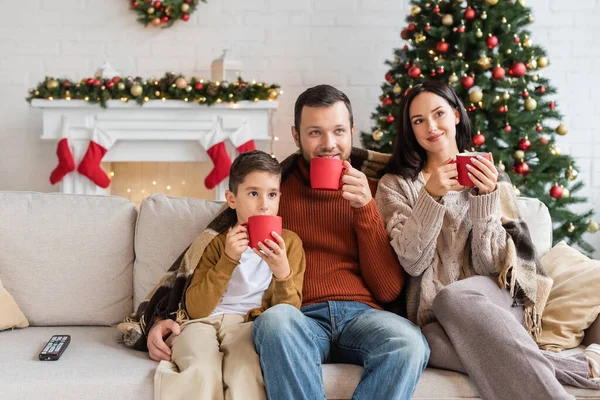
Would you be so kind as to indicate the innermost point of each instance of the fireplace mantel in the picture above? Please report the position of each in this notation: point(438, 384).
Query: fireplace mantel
point(158, 131)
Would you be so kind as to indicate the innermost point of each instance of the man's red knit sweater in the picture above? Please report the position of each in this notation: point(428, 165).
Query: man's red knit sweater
point(348, 254)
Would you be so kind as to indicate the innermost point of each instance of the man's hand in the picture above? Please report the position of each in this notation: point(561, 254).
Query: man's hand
point(355, 187)
point(275, 255)
point(157, 348)
point(236, 242)
point(443, 180)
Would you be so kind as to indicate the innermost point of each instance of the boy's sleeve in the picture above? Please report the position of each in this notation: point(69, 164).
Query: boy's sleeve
point(210, 280)
point(289, 290)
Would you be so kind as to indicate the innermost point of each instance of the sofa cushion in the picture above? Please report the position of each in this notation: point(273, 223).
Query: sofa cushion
point(11, 315)
point(537, 217)
point(166, 226)
point(68, 259)
point(574, 302)
point(94, 366)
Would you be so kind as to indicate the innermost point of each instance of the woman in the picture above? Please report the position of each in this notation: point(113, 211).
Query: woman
point(452, 243)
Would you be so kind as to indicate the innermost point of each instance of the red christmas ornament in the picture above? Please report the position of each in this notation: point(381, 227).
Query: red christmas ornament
point(198, 86)
point(148, 1)
point(543, 140)
point(164, 19)
point(110, 84)
point(525, 94)
point(432, 73)
point(467, 82)
point(97, 83)
point(389, 119)
point(411, 27)
point(541, 89)
point(498, 73)
point(461, 29)
point(556, 191)
point(524, 144)
point(521, 168)
point(441, 47)
point(387, 102)
point(404, 34)
point(116, 79)
point(503, 109)
point(389, 78)
point(66, 84)
point(538, 128)
point(89, 81)
point(472, 108)
point(414, 72)
point(492, 42)
point(405, 47)
point(516, 39)
point(188, 1)
point(478, 140)
point(440, 70)
point(157, 4)
point(552, 105)
point(427, 27)
point(436, 9)
point(517, 70)
point(508, 128)
point(469, 13)
point(185, 17)
point(134, 4)
point(406, 65)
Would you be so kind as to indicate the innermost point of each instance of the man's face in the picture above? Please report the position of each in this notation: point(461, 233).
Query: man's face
point(258, 194)
point(324, 132)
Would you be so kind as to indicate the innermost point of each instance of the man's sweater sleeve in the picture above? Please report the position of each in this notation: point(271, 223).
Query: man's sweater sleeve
point(210, 280)
point(414, 229)
point(378, 263)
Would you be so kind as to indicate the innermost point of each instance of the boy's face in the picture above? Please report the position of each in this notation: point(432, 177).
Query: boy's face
point(258, 194)
point(324, 132)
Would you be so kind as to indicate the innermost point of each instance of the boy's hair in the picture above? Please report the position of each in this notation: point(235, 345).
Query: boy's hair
point(251, 161)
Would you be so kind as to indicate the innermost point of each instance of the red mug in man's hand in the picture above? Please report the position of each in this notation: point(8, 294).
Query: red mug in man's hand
point(326, 173)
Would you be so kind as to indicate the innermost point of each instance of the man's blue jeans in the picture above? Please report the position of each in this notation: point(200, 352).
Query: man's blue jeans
point(293, 344)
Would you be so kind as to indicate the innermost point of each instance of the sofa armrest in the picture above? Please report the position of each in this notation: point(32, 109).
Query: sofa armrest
point(592, 334)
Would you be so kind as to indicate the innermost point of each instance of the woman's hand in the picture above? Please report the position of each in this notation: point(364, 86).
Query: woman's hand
point(485, 176)
point(443, 180)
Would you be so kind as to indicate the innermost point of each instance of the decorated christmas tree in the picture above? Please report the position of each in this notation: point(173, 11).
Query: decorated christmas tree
point(484, 51)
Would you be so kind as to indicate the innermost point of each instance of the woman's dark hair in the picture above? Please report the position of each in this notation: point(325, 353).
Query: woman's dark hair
point(408, 157)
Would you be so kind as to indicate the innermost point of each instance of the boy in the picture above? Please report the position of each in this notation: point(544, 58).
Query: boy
point(214, 357)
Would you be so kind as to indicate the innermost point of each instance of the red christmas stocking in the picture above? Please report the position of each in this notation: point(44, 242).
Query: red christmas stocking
point(90, 165)
point(214, 145)
point(65, 161)
point(242, 139)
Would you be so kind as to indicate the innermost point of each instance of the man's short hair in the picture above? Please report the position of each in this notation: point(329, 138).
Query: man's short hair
point(251, 161)
point(320, 96)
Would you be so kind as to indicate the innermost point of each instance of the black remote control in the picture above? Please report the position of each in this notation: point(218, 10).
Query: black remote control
point(55, 347)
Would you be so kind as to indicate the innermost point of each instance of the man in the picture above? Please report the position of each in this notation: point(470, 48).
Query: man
point(350, 270)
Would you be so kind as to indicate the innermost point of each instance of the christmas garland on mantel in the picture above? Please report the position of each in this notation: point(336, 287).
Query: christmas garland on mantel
point(170, 87)
point(163, 13)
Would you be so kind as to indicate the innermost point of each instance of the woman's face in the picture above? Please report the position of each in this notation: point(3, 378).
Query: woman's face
point(434, 121)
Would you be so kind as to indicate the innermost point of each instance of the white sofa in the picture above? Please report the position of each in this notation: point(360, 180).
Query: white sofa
point(78, 264)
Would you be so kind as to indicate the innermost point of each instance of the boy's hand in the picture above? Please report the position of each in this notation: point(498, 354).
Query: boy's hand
point(236, 242)
point(157, 348)
point(355, 187)
point(275, 255)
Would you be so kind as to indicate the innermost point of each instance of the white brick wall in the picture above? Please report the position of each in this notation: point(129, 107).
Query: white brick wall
point(295, 43)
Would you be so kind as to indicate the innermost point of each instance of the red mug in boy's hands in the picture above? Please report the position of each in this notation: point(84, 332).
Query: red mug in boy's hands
point(464, 159)
point(326, 173)
point(260, 228)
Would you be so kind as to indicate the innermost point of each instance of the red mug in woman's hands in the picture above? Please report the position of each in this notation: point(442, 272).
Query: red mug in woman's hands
point(464, 159)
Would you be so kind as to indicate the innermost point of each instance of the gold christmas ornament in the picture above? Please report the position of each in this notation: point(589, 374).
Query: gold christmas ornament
point(542, 62)
point(555, 150)
point(592, 227)
point(419, 38)
point(485, 62)
point(397, 89)
point(504, 20)
point(52, 84)
point(453, 78)
point(565, 194)
point(121, 86)
point(523, 3)
point(459, 54)
point(530, 19)
point(530, 104)
point(377, 135)
point(181, 83)
point(478, 33)
point(136, 90)
point(508, 51)
point(273, 94)
point(415, 10)
point(448, 20)
point(150, 10)
point(156, 21)
point(185, 7)
point(535, 78)
point(169, 11)
point(506, 96)
point(501, 166)
point(571, 173)
point(532, 64)
point(475, 94)
point(571, 227)
point(491, 2)
point(484, 15)
point(526, 42)
point(519, 155)
point(562, 129)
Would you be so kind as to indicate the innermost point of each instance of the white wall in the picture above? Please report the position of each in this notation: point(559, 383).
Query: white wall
point(296, 43)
